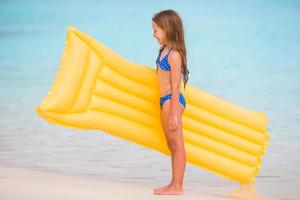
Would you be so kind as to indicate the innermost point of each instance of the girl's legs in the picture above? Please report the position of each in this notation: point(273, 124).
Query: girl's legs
point(176, 145)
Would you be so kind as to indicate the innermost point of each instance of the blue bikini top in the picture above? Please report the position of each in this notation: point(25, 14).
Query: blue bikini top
point(164, 64)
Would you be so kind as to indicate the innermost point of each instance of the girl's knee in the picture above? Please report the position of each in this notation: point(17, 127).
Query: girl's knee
point(175, 146)
point(175, 143)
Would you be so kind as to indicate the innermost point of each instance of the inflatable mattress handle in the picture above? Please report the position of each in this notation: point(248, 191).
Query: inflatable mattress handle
point(97, 89)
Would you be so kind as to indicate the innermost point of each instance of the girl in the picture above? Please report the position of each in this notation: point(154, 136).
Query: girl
point(171, 64)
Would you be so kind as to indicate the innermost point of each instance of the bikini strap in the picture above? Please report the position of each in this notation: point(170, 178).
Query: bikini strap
point(161, 50)
point(170, 51)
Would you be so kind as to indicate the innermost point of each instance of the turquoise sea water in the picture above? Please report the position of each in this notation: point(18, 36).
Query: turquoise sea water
point(245, 52)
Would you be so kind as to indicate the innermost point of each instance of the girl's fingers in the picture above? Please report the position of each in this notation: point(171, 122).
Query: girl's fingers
point(171, 126)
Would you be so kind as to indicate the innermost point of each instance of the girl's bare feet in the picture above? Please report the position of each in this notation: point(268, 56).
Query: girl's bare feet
point(168, 190)
point(161, 188)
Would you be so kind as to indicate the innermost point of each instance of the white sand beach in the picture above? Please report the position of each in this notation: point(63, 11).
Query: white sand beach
point(19, 183)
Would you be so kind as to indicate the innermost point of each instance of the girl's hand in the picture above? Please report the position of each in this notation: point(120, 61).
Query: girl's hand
point(173, 121)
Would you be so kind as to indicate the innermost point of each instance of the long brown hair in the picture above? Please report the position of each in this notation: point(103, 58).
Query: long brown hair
point(171, 23)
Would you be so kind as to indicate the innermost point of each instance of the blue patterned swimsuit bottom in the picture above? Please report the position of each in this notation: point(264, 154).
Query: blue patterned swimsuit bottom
point(169, 96)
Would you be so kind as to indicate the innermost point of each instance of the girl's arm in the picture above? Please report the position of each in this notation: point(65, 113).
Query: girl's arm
point(175, 63)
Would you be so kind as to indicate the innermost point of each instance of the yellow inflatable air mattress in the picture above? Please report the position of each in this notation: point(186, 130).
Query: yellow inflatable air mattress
point(95, 88)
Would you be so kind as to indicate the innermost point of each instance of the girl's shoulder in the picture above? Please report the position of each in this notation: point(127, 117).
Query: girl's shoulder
point(175, 53)
point(175, 56)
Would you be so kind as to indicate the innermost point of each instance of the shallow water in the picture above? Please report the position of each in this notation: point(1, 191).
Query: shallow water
point(245, 52)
